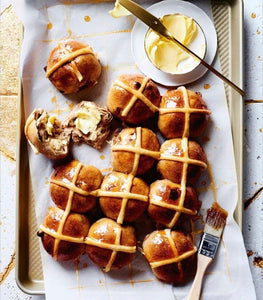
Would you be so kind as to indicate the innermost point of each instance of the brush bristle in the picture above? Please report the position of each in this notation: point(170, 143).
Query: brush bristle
point(215, 220)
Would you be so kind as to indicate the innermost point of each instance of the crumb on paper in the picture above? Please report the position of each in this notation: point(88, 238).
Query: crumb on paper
point(258, 262)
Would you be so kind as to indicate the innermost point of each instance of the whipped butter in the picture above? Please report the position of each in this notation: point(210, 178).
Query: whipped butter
point(119, 11)
point(50, 123)
point(169, 57)
point(88, 118)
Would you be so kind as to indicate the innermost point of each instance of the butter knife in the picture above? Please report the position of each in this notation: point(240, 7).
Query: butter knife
point(155, 24)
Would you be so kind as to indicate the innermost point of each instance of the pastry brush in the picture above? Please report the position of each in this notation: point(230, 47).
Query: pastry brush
point(215, 223)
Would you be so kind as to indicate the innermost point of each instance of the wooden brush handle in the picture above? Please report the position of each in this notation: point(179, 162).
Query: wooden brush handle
point(202, 263)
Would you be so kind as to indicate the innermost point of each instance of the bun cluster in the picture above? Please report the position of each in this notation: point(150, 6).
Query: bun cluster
point(96, 214)
point(66, 232)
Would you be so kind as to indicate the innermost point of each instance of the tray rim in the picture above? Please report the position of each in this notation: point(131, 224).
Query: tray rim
point(22, 280)
point(235, 102)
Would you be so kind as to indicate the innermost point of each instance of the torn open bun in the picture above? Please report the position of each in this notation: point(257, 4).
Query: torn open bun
point(89, 123)
point(46, 135)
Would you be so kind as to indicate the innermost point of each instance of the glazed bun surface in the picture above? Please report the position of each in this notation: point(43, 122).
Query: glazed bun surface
point(76, 226)
point(165, 205)
point(73, 65)
point(125, 161)
point(124, 90)
point(172, 124)
point(111, 205)
point(79, 178)
point(170, 166)
point(162, 247)
point(110, 245)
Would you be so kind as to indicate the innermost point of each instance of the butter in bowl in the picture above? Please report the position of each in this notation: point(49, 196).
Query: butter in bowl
point(168, 57)
point(189, 24)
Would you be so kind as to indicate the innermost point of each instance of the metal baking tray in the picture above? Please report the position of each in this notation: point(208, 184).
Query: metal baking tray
point(228, 19)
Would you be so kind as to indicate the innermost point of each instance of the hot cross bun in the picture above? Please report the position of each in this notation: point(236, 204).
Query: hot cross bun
point(182, 110)
point(72, 65)
point(123, 197)
point(110, 245)
point(181, 161)
point(171, 255)
point(75, 184)
point(62, 237)
point(134, 150)
point(168, 200)
point(133, 98)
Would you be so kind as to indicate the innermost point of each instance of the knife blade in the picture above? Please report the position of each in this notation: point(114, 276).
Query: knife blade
point(154, 23)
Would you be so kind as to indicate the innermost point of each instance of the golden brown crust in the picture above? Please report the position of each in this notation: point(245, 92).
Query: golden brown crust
point(76, 226)
point(123, 161)
point(88, 179)
point(81, 71)
point(53, 145)
point(106, 231)
point(172, 169)
point(172, 124)
point(118, 98)
point(165, 194)
point(94, 137)
point(163, 245)
point(111, 206)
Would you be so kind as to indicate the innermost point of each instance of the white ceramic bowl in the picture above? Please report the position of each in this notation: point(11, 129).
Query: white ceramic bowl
point(170, 7)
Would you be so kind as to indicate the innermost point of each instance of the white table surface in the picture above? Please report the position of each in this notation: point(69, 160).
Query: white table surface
point(253, 166)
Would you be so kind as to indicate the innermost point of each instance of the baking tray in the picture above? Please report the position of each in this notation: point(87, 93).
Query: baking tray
point(228, 19)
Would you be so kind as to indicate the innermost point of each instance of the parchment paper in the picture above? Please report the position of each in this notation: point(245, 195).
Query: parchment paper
point(45, 23)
